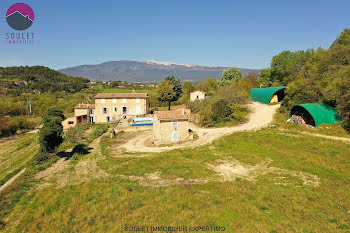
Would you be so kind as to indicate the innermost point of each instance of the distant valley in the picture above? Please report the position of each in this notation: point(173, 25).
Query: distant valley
point(149, 71)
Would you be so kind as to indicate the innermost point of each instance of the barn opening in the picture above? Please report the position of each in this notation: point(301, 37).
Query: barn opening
point(314, 114)
point(304, 116)
point(268, 94)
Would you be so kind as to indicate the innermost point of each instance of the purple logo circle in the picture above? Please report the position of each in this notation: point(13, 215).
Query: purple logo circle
point(20, 16)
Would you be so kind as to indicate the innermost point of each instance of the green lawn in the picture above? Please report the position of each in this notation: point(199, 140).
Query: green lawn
point(277, 200)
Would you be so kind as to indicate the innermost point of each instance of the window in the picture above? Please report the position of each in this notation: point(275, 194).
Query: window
point(175, 123)
point(138, 100)
point(108, 119)
point(92, 111)
point(124, 100)
point(103, 101)
point(197, 96)
point(115, 109)
point(125, 110)
point(114, 101)
point(93, 119)
point(138, 110)
point(104, 110)
point(70, 122)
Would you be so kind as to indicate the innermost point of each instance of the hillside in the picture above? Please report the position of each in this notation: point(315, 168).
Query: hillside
point(37, 79)
point(136, 71)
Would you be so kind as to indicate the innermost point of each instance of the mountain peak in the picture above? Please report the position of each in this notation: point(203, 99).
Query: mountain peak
point(168, 63)
point(145, 71)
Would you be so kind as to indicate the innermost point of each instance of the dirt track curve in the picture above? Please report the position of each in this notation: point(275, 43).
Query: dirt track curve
point(261, 115)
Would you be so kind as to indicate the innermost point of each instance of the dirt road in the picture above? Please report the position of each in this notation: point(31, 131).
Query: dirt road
point(261, 115)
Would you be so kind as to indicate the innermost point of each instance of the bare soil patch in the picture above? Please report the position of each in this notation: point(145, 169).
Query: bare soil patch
point(234, 170)
point(61, 173)
point(154, 180)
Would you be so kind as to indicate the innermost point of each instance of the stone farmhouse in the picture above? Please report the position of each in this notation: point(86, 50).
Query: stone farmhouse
point(83, 113)
point(109, 107)
point(172, 126)
point(197, 95)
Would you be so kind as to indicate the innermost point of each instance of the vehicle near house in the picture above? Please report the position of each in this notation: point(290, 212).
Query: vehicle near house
point(197, 95)
point(172, 126)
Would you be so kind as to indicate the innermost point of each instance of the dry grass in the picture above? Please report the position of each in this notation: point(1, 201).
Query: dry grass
point(250, 181)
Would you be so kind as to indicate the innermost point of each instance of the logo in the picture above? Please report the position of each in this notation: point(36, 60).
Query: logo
point(20, 16)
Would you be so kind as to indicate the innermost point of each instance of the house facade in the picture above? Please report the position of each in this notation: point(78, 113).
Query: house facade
point(85, 112)
point(197, 95)
point(172, 126)
point(110, 107)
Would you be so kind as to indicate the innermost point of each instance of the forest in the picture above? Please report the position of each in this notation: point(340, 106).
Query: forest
point(38, 79)
point(314, 76)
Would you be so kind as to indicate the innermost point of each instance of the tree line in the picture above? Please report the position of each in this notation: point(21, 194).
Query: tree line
point(314, 76)
point(38, 79)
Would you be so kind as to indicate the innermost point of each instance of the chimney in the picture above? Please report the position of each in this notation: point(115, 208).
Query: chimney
point(183, 111)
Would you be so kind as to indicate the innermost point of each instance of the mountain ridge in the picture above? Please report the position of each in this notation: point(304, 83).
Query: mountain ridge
point(145, 71)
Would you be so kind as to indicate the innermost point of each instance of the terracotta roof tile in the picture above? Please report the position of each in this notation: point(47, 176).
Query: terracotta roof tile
point(182, 107)
point(121, 95)
point(172, 115)
point(84, 106)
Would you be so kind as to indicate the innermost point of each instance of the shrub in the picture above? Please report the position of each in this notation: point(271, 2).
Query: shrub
point(10, 126)
point(75, 134)
point(197, 105)
point(233, 94)
point(220, 112)
point(98, 131)
point(50, 136)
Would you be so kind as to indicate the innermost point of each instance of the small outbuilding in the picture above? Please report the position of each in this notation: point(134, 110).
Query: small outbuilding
point(172, 126)
point(315, 114)
point(268, 94)
point(197, 95)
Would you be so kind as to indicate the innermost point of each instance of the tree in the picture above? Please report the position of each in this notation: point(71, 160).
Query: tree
point(187, 88)
point(286, 65)
point(230, 75)
point(265, 78)
point(177, 86)
point(165, 92)
point(50, 136)
point(209, 86)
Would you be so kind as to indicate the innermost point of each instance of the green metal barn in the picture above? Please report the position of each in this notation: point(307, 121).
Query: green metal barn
point(316, 114)
point(268, 94)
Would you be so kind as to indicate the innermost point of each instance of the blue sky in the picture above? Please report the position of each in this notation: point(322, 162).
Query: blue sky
point(244, 34)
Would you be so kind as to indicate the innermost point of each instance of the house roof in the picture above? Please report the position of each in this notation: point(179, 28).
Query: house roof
point(172, 115)
point(197, 92)
point(121, 95)
point(84, 106)
point(182, 107)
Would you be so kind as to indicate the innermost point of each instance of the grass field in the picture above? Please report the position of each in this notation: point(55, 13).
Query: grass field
point(15, 153)
point(271, 180)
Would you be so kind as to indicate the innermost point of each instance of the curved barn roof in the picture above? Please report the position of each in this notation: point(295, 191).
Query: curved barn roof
point(321, 113)
point(263, 95)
